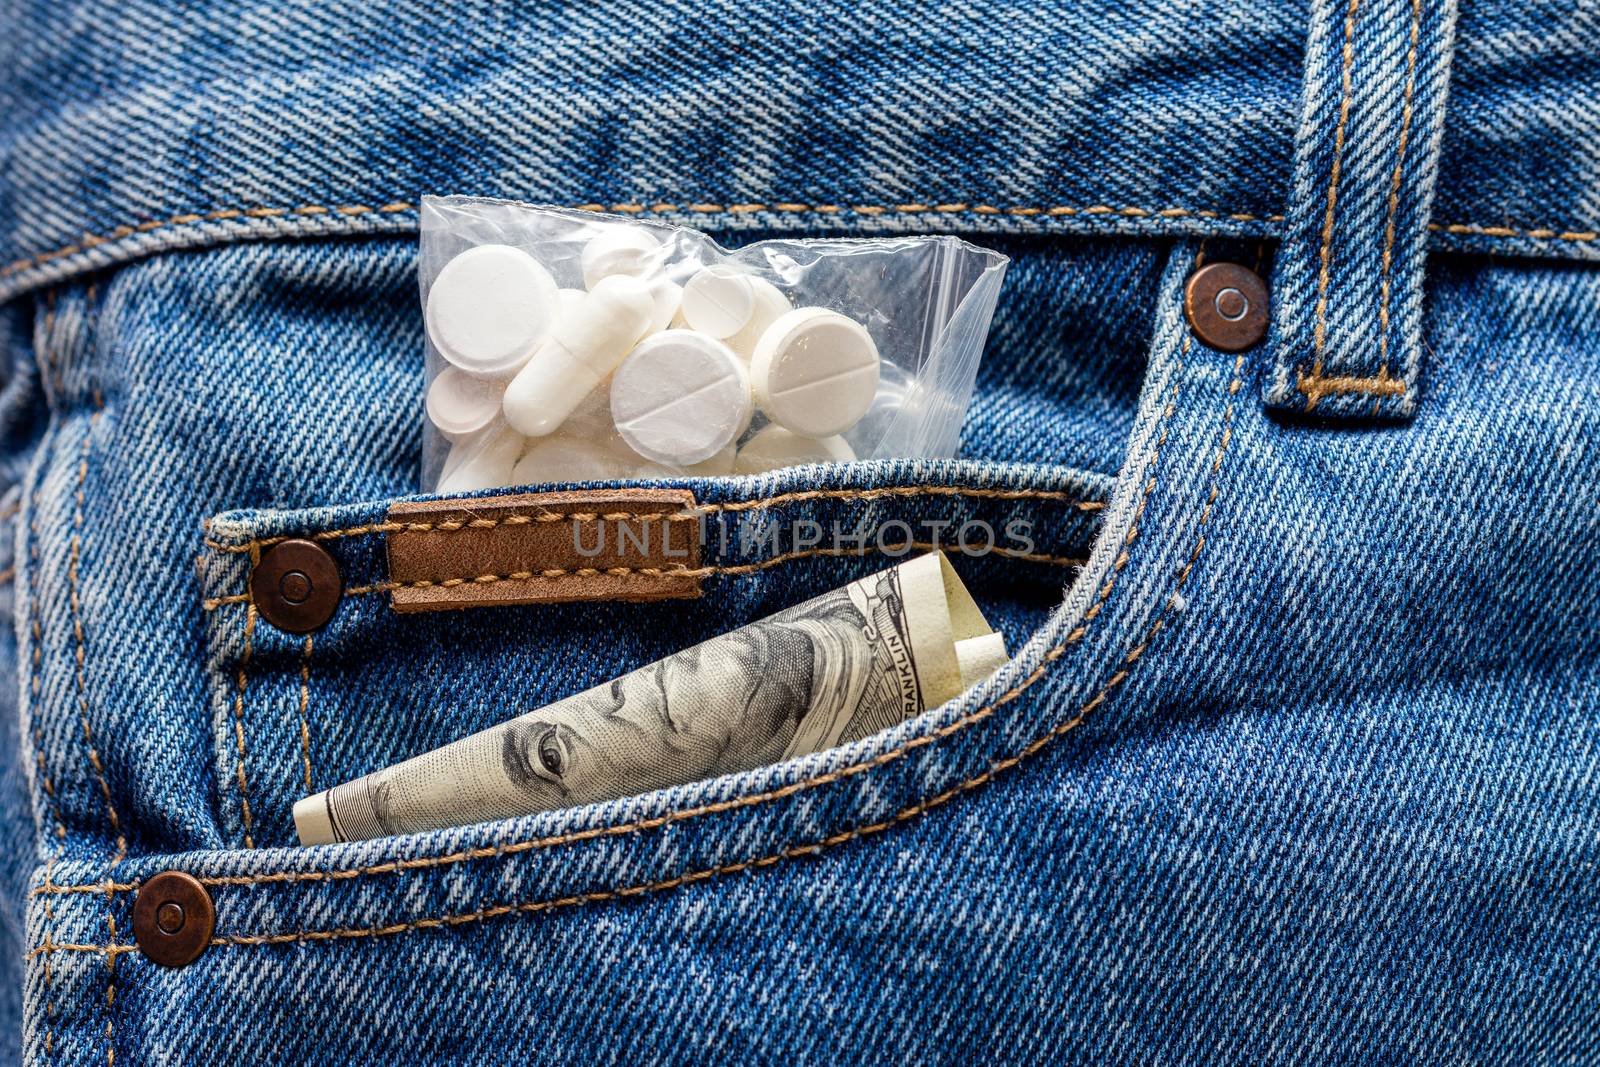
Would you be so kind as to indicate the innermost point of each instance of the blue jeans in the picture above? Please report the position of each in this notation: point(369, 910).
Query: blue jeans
point(1299, 756)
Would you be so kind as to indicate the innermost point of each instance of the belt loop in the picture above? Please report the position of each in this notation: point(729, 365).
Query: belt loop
point(1347, 333)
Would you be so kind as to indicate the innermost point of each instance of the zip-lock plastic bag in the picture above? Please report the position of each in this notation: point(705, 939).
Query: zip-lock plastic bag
point(568, 346)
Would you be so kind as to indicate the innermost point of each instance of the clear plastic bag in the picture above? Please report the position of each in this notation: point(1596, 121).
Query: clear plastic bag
point(568, 346)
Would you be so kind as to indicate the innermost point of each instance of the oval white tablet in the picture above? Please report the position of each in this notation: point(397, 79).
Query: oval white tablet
point(578, 354)
point(489, 307)
point(815, 371)
point(769, 305)
point(680, 397)
point(459, 404)
point(718, 301)
point(620, 249)
point(772, 447)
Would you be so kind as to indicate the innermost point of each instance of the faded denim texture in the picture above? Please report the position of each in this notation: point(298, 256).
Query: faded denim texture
point(1298, 760)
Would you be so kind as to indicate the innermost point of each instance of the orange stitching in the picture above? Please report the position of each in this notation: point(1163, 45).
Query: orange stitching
point(1536, 234)
point(871, 210)
point(1325, 255)
point(238, 708)
point(1394, 193)
point(111, 986)
point(1060, 211)
point(1317, 386)
point(7, 575)
point(305, 701)
point(77, 632)
point(1132, 657)
point(685, 515)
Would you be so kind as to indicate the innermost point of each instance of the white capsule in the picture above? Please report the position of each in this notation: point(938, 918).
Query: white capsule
point(680, 398)
point(483, 460)
point(718, 301)
point(815, 371)
point(578, 354)
point(567, 300)
point(568, 457)
point(489, 307)
point(459, 404)
point(620, 249)
point(772, 447)
point(769, 306)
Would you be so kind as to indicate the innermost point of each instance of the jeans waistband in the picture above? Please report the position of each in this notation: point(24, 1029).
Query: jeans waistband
point(132, 126)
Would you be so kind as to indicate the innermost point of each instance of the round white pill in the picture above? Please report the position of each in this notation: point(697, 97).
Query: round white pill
point(815, 371)
point(620, 249)
point(769, 305)
point(489, 307)
point(718, 301)
point(459, 404)
point(680, 398)
point(772, 447)
point(718, 465)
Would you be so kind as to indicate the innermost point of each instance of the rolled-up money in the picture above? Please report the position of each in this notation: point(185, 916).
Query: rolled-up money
point(832, 670)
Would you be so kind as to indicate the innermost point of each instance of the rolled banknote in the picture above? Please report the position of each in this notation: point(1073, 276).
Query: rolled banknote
point(832, 670)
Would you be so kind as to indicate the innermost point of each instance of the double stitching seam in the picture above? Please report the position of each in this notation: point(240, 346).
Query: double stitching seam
point(741, 570)
point(656, 822)
point(685, 515)
point(305, 704)
point(1325, 253)
point(1133, 656)
point(238, 706)
point(1316, 385)
point(1394, 189)
point(91, 241)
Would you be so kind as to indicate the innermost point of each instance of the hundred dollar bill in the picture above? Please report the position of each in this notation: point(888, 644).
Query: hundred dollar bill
point(832, 670)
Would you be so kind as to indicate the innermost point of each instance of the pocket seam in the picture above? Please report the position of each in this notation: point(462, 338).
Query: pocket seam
point(978, 715)
point(688, 514)
point(1124, 668)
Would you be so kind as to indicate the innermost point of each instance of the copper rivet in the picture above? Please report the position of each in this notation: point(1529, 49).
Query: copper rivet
point(296, 586)
point(1226, 306)
point(172, 919)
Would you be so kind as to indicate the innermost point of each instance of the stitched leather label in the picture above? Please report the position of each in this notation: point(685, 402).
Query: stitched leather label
point(544, 548)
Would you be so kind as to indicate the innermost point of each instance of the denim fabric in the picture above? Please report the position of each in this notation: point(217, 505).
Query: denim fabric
point(1298, 759)
point(1366, 165)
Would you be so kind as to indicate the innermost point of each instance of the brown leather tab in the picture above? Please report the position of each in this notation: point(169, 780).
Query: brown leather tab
point(544, 548)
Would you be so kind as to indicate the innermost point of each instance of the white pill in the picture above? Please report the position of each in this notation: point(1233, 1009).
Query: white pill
point(584, 348)
point(567, 301)
point(681, 397)
point(620, 249)
point(815, 371)
point(483, 460)
point(569, 457)
point(718, 301)
point(668, 298)
point(772, 447)
point(770, 306)
point(489, 307)
point(459, 404)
